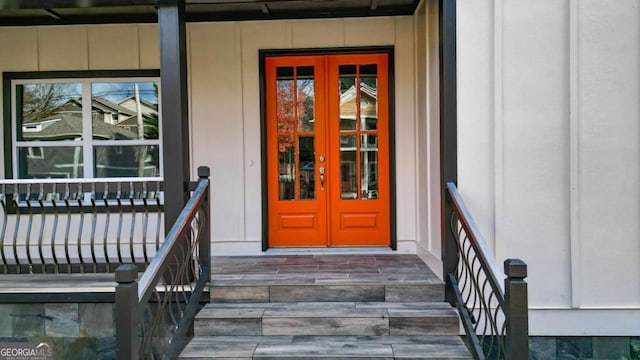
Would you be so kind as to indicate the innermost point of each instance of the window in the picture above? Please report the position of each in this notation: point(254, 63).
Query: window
point(85, 127)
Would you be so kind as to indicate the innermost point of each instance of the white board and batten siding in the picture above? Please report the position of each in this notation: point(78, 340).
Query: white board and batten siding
point(427, 134)
point(549, 152)
point(224, 96)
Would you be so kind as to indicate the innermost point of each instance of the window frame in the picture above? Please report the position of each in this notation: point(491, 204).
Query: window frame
point(85, 78)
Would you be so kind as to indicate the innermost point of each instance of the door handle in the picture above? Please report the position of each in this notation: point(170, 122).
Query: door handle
point(321, 171)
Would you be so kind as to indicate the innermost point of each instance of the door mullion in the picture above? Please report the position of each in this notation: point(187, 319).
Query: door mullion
point(296, 141)
point(327, 122)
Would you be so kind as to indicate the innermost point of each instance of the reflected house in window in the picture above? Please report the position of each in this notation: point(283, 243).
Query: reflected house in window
point(123, 114)
point(368, 107)
point(149, 113)
point(362, 106)
point(110, 121)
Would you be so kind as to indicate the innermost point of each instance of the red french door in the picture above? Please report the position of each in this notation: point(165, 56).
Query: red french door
point(328, 150)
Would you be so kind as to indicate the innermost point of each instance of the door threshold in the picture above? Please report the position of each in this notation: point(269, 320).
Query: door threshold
point(363, 250)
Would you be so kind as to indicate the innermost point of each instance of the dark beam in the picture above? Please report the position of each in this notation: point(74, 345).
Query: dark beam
point(79, 19)
point(175, 114)
point(448, 131)
point(68, 4)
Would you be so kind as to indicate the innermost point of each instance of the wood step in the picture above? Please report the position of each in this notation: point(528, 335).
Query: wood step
point(364, 278)
point(326, 347)
point(313, 293)
point(321, 318)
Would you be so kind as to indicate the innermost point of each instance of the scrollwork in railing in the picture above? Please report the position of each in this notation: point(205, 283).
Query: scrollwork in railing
point(494, 320)
point(78, 225)
point(156, 310)
point(481, 305)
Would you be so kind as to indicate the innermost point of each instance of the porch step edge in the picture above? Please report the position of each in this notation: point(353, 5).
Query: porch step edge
point(326, 347)
point(344, 318)
point(327, 293)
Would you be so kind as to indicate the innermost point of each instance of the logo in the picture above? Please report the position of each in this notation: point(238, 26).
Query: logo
point(26, 351)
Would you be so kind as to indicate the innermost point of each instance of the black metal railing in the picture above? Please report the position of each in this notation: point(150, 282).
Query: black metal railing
point(495, 317)
point(155, 311)
point(50, 226)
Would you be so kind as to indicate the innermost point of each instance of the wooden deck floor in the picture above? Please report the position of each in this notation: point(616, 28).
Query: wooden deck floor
point(321, 269)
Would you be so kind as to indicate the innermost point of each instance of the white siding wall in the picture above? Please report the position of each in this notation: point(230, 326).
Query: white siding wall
point(549, 152)
point(224, 98)
point(428, 133)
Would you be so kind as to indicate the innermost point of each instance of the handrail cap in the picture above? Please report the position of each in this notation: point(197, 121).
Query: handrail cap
point(515, 268)
point(204, 172)
point(126, 273)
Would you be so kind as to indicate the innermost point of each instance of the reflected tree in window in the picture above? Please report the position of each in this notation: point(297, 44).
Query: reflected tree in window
point(40, 101)
point(294, 114)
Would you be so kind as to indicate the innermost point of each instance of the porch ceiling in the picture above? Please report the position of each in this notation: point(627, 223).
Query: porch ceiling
point(71, 12)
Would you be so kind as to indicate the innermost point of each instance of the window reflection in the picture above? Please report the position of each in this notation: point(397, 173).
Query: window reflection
point(49, 112)
point(126, 161)
point(358, 131)
point(295, 104)
point(50, 162)
point(124, 110)
point(348, 167)
point(286, 168)
point(307, 168)
point(368, 97)
point(305, 98)
point(53, 132)
point(369, 166)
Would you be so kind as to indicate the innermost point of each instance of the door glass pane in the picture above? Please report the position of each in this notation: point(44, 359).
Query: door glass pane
point(305, 100)
point(49, 112)
point(126, 161)
point(285, 90)
point(307, 168)
point(369, 166)
point(348, 167)
point(286, 168)
point(50, 162)
point(368, 97)
point(348, 97)
point(124, 110)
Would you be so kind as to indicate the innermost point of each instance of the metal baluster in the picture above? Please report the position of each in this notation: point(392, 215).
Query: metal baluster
point(119, 233)
point(133, 222)
point(54, 206)
point(80, 199)
point(5, 216)
point(107, 220)
point(29, 224)
point(42, 224)
point(145, 223)
point(66, 199)
point(159, 212)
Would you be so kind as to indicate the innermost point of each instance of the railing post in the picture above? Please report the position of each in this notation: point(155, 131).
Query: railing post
point(448, 132)
point(205, 246)
point(127, 312)
point(450, 256)
point(517, 310)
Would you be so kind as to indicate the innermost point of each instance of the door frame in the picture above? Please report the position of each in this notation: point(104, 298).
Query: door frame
point(262, 55)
